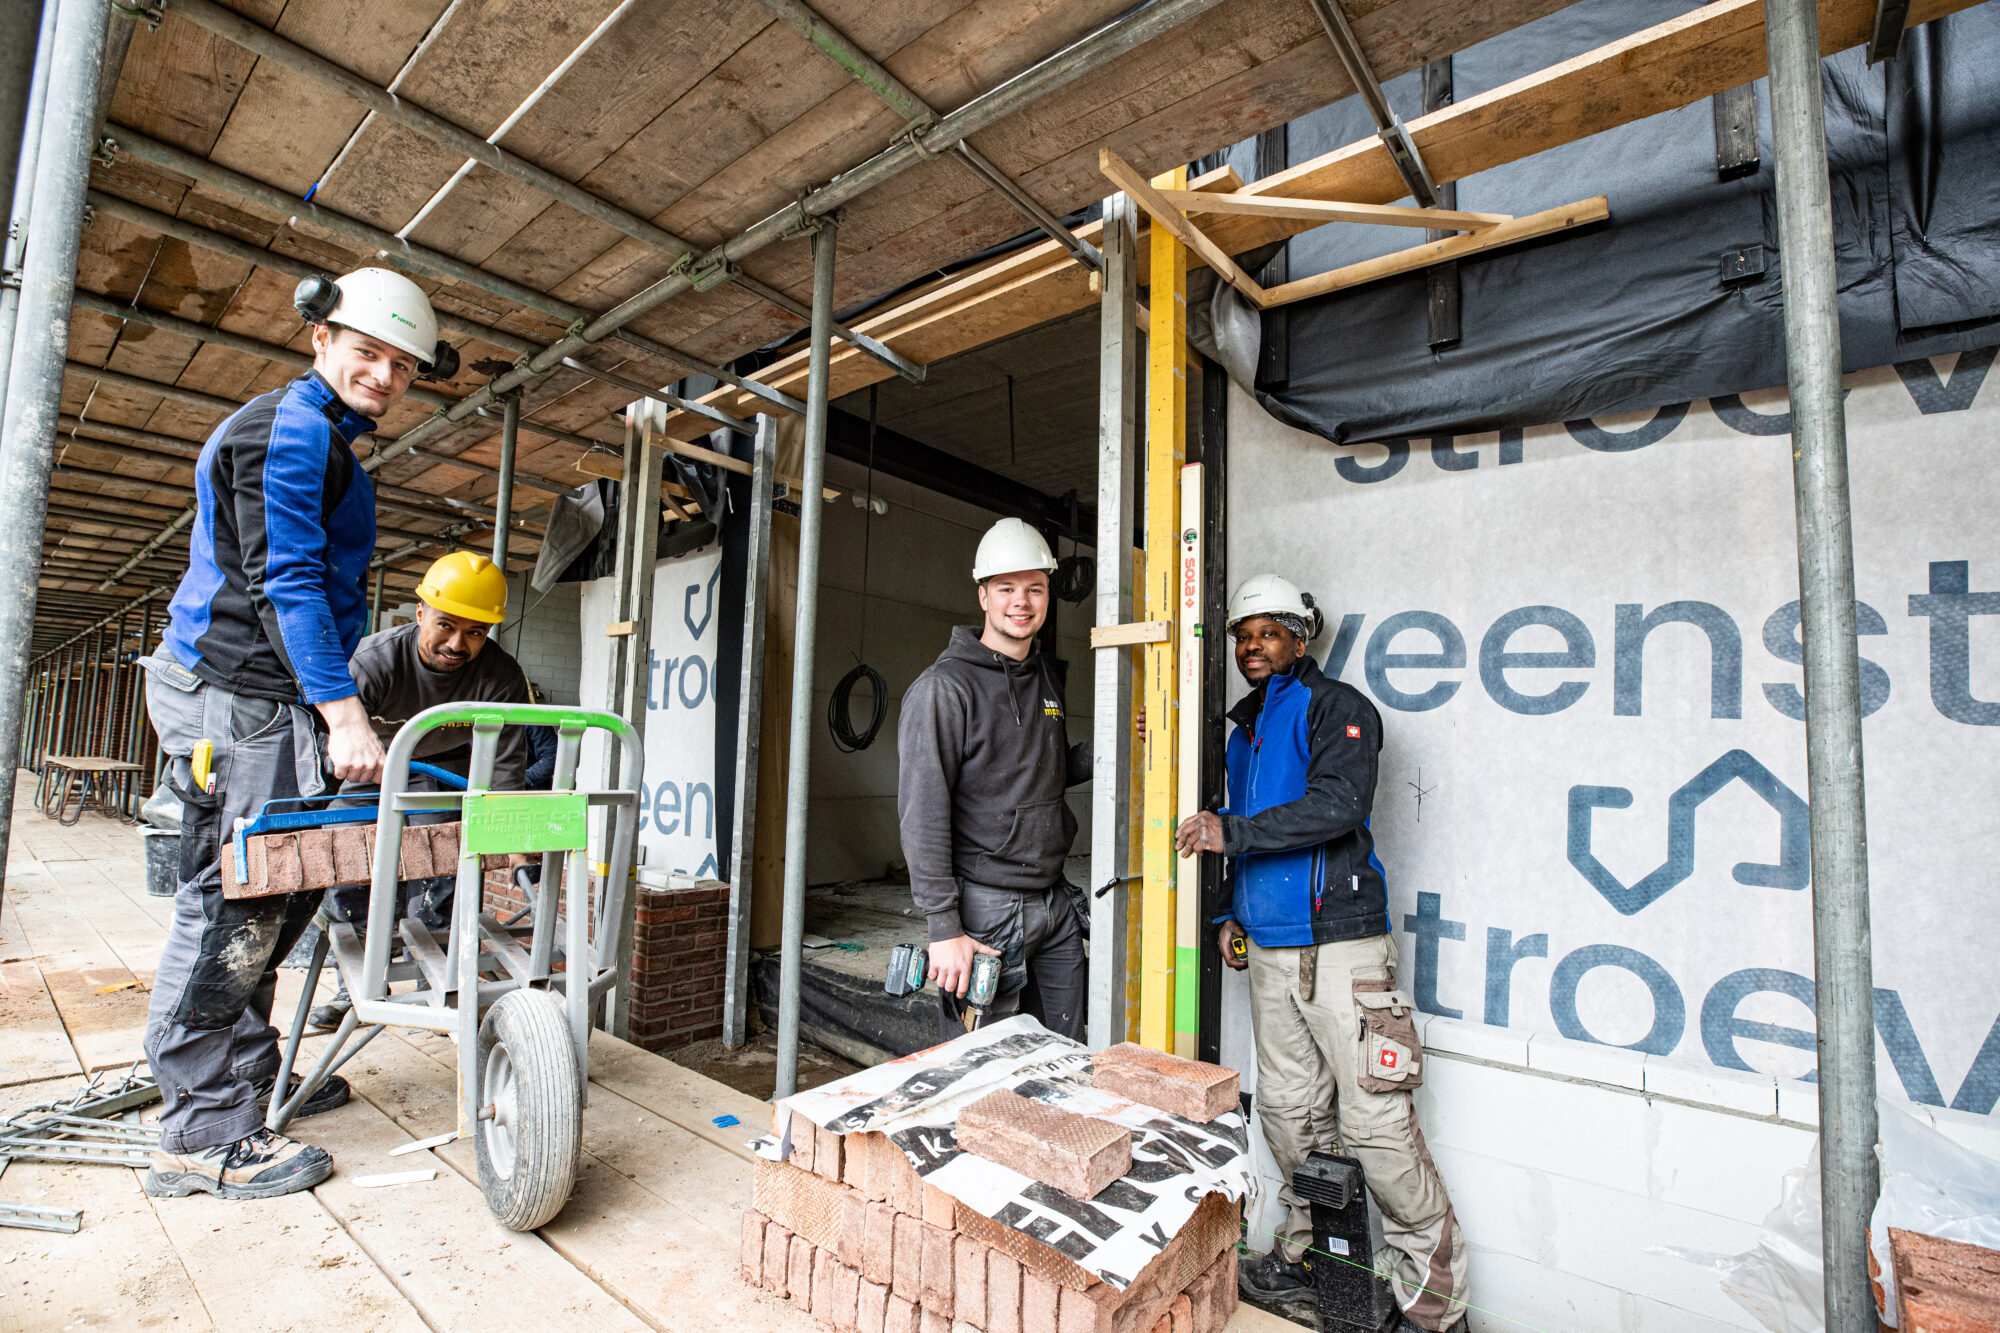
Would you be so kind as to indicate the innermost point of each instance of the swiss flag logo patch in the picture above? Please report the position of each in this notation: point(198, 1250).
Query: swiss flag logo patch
point(1388, 1059)
point(1354, 733)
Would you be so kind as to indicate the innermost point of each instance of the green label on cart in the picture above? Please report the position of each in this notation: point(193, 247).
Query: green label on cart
point(497, 822)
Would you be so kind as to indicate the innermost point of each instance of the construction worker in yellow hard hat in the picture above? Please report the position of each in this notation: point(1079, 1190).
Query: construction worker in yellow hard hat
point(445, 656)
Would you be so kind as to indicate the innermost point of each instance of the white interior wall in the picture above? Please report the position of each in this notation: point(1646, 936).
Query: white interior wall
point(919, 586)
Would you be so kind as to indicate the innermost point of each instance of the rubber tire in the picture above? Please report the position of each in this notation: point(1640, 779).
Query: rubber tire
point(547, 1125)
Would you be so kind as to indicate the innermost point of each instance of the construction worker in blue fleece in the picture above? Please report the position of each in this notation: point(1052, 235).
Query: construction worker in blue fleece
point(1337, 1051)
point(251, 696)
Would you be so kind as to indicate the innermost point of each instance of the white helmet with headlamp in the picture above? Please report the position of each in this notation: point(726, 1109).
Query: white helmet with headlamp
point(384, 305)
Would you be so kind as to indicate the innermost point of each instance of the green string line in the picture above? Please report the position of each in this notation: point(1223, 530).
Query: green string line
point(1370, 1268)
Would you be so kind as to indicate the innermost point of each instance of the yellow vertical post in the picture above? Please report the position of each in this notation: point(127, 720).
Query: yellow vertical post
point(1166, 452)
point(1135, 840)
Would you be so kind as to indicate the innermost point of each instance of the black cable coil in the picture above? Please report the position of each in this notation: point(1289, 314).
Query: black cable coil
point(840, 715)
point(1075, 578)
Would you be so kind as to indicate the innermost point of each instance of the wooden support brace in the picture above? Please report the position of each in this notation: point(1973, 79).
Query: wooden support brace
point(1329, 210)
point(1581, 213)
point(618, 629)
point(1127, 178)
point(1124, 636)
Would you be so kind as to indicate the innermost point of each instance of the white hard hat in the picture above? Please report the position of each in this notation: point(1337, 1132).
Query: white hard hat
point(377, 302)
point(1009, 546)
point(1281, 599)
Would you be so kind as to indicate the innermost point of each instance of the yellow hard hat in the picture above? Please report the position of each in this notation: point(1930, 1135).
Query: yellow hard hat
point(464, 584)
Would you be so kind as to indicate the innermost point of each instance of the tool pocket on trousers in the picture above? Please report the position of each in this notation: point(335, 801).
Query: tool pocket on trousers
point(1391, 1058)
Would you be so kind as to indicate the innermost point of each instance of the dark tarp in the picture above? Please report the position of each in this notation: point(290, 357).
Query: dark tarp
point(1634, 313)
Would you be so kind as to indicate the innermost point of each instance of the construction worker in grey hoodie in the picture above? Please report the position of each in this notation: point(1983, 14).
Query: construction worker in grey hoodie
point(984, 759)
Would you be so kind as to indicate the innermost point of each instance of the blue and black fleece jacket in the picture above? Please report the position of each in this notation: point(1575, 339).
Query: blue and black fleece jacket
point(1302, 764)
point(274, 599)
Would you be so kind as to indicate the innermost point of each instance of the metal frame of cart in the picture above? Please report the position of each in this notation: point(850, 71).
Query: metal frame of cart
point(523, 1044)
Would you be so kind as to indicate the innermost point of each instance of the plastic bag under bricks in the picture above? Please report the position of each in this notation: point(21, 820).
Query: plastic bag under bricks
point(915, 1101)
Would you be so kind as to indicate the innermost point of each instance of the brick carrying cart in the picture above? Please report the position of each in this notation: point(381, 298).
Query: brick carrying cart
point(523, 1040)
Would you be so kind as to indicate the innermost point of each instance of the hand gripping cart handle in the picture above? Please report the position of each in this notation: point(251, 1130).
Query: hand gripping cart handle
point(522, 1027)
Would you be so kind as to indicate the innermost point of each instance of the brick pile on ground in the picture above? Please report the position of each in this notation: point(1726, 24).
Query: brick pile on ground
point(849, 1233)
point(1944, 1286)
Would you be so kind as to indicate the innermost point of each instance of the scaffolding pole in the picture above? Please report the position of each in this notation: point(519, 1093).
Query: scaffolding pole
point(749, 721)
point(1843, 973)
point(34, 392)
point(1111, 727)
point(503, 499)
point(798, 777)
point(20, 183)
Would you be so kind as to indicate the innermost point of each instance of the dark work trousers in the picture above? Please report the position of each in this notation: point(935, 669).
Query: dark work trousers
point(208, 1028)
point(1042, 969)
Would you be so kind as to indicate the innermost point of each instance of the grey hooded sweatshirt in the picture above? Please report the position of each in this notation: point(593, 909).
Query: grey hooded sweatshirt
point(985, 756)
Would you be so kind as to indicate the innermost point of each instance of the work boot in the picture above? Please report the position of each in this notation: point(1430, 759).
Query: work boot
point(334, 1012)
point(257, 1166)
point(1272, 1277)
point(331, 1092)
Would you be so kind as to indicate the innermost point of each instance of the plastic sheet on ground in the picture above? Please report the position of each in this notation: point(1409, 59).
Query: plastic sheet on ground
point(916, 1100)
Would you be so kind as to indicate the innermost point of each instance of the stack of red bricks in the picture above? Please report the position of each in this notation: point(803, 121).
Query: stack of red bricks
point(1943, 1286)
point(849, 1233)
point(678, 948)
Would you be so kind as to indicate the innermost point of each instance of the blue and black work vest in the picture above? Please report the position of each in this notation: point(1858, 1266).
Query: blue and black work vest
point(1302, 765)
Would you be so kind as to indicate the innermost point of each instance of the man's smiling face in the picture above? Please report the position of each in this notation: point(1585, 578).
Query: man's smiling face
point(1265, 648)
point(367, 374)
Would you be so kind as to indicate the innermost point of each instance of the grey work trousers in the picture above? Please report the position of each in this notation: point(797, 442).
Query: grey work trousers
point(208, 1028)
point(1337, 1069)
point(1042, 969)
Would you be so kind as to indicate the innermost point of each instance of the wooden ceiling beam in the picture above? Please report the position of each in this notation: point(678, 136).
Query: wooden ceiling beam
point(1672, 64)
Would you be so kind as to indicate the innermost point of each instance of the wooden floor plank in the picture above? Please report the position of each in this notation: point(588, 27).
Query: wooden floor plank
point(106, 1025)
point(676, 1094)
point(440, 1245)
point(281, 1264)
point(119, 1271)
point(33, 1044)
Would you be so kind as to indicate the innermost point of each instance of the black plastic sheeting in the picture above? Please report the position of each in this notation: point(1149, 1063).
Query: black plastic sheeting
point(853, 1010)
point(1634, 313)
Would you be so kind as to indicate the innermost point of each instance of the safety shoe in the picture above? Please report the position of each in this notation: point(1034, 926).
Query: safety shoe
point(331, 1092)
point(257, 1166)
point(1271, 1277)
point(333, 1013)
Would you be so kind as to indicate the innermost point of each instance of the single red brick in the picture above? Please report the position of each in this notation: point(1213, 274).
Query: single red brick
point(908, 1271)
point(906, 1187)
point(1076, 1154)
point(898, 1315)
point(878, 1245)
point(1183, 1314)
point(935, 1276)
point(1003, 1294)
point(930, 1321)
point(826, 1155)
point(875, 1166)
point(1038, 1302)
point(777, 1258)
point(834, 1302)
point(1192, 1089)
point(1201, 1300)
point(853, 1228)
point(1164, 1324)
point(753, 1247)
point(872, 1303)
point(968, 1281)
point(1225, 1287)
point(940, 1209)
point(1078, 1313)
point(799, 1274)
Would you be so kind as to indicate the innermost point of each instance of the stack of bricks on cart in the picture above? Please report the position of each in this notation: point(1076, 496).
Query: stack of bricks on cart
point(849, 1233)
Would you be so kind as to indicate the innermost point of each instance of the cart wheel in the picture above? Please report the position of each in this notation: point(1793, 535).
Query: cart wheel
point(530, 1134)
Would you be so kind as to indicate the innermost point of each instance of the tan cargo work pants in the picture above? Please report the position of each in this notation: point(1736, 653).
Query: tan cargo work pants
point(1335, 1064)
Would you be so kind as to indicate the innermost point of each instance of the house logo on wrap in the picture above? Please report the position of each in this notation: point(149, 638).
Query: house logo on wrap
point(1793, 869)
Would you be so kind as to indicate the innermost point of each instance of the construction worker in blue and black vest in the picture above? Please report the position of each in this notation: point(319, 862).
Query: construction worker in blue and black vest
point(1337, 1051)
point(252, 699)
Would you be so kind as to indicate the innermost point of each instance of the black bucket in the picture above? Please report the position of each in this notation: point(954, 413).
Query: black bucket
point(163, 860)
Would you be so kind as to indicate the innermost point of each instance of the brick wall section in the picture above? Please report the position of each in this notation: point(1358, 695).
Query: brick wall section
point(677, 960)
